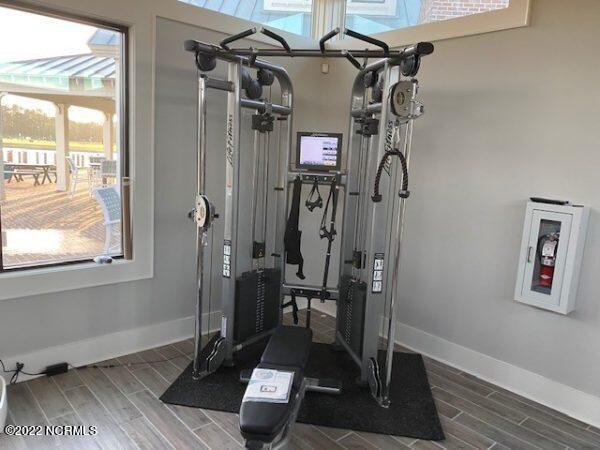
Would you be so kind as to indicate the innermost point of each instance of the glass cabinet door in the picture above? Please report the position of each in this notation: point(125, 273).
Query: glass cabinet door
point(546, 256)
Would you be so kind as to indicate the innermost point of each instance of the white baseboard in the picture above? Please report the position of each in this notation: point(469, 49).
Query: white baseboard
point(533, 386)
point(555, 395)
point(108, 346)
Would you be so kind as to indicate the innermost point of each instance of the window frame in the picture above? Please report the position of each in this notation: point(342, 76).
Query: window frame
point(517, 14)
point(123, 113)
point(135, 119)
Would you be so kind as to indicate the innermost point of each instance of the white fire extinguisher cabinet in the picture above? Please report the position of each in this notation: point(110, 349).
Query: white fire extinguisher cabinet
point(551, 255)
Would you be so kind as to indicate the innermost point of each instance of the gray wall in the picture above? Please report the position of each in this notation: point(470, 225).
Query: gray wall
point(508, 115)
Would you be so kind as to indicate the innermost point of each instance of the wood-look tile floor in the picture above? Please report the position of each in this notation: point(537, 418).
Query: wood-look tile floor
point(123, 403)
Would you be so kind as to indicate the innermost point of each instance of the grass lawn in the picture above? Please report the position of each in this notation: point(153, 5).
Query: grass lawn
point(45, 145)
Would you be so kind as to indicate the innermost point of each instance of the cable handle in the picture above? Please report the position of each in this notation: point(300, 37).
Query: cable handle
point(313, 202)
point(278, 38)
point(327, 37)
point(331, 199)
point(404, 192)
point(224, 44)
point(368, 39)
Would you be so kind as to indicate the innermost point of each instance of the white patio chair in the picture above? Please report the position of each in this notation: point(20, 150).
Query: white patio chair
point(108, 169)
point(110, 202)
point(76, 176)
point(94, 171)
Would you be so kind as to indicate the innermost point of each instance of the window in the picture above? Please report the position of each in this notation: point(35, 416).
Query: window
point(377, 16)
point(62, 139)
point(293, 16)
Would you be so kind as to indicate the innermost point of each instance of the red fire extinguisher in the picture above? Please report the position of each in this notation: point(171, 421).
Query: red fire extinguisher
point(548, 246)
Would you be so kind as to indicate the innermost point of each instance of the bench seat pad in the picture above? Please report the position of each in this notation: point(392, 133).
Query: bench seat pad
point(288, 350)
point(288, 347)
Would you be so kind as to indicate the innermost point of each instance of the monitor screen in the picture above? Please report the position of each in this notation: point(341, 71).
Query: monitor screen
point(319, 151)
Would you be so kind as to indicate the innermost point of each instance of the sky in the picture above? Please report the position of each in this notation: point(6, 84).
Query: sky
point(25, 36)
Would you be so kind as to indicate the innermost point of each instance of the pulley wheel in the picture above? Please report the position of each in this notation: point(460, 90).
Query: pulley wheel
point(410, 66)
point(265, 77)
point(370, 79)
point(205, 63)
point(377, 93)
point(254, 90)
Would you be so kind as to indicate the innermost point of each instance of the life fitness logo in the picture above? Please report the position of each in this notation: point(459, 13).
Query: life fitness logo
point(230, 140)
point(389, 137)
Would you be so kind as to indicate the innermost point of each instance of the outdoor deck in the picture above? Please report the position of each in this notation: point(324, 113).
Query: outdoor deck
point(40, 225)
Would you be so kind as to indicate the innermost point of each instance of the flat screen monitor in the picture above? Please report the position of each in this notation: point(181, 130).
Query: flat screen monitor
point(319, 151)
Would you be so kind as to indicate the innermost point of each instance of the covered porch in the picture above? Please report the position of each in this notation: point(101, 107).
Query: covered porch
point(86, 81)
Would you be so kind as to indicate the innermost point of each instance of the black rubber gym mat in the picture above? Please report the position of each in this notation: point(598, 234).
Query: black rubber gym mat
point(412, 413)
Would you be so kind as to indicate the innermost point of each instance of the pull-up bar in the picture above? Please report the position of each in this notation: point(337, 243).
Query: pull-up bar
point(224, 50)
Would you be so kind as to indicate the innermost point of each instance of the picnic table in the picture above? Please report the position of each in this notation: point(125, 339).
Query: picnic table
point(17, 170)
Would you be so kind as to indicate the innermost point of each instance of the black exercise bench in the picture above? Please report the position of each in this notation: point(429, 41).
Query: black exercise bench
point(264, 423)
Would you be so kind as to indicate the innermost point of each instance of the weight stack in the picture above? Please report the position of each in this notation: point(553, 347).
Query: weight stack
point(351, 312)
point(257, 298)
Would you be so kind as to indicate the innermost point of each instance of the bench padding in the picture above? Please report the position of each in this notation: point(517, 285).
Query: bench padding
point(288, 349)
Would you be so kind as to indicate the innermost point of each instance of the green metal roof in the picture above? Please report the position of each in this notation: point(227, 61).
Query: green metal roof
point(74, 72)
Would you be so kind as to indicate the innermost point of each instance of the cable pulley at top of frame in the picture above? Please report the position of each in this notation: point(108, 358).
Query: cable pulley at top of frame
point(205, 63)
point(254, 87)
point(410, 66)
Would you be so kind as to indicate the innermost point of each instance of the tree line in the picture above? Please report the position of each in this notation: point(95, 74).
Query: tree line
point(20, 123)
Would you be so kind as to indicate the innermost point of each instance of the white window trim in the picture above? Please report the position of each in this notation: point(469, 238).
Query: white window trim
point(515, 15)
point(37, 281)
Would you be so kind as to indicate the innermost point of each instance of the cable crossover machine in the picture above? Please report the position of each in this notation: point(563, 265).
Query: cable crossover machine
point(374, 188)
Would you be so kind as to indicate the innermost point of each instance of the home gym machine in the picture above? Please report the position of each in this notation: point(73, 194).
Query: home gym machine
point(383, 107)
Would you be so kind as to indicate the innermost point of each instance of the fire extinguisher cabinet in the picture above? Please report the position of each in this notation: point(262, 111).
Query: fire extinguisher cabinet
point(551, 255)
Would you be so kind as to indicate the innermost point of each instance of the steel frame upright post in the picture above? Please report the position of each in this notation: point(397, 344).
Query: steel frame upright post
point(376, 240)
point(232, 180)
point(356, 151)
point(398, 234)
point(200, 232)
point(285, 133)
